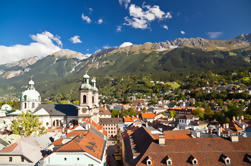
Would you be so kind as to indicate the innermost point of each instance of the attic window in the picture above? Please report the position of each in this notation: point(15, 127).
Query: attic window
point(169, 162)
point(65, 159)
point(194, 161)
point(227, 161)
point(149, 162)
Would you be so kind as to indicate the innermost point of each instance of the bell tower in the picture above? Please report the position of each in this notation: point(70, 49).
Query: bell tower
point(85, 93)
point(88, 98)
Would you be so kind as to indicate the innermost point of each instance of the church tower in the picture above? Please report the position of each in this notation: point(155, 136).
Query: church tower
point(88, 97)
point(30, 98)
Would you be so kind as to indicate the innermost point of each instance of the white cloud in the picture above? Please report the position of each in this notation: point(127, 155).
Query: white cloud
point(119, 28)
point(45, 43)
point(100, 21)
point(106, 47)
point(75, 39)
point(140, 18)
point(182, 32)
point(214, 35)
point(125, 2)
point(86, 18)
point(165, 27)
point(125, 44)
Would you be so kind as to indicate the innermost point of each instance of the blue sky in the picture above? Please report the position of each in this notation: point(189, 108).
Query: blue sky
point(31, 25)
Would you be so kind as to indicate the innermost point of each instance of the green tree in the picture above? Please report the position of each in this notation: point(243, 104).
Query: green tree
point(27, 124)
point(199, 113)
point(209, 114)
point(115, 113)
point(172, 114)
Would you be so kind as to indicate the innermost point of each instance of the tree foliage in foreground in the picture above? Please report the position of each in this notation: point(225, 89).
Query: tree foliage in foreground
point(27, 124)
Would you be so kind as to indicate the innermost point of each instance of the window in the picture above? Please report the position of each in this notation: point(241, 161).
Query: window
point(33, 105)
point(84, 99)
point(10, 159)
point(90, 165)
point(25, 105)
point(78, 158)
point(25, 97)
point(92, 99)
point(65, 159)
point(47, 123)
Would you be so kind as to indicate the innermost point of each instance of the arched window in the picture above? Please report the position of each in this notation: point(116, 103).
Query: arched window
point(84, 99)
point(92, 99)
point(33, 105)
point(25, 105)
point(25, 97)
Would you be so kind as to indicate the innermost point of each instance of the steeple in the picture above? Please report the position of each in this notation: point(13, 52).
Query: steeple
point(31, 83)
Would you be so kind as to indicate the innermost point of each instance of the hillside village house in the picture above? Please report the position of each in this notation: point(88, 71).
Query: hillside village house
point(111, 125)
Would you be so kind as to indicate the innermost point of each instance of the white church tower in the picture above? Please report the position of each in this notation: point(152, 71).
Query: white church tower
point(30, 98)
point(88, 97)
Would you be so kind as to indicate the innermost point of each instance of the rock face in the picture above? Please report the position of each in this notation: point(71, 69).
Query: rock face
point(24, 62)
point(70, 54)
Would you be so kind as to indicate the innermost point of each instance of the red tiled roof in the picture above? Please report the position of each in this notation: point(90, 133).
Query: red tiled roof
point(83, 142)
point(9, 148)
point(130, 119)
point(148, 115)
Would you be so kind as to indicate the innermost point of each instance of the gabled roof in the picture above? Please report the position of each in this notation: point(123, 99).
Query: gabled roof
point(89, 142)
point(130, 119)
point(28, 147)
point(110, 121)
point(59, 109)
point(104, 111)
point(148, 115)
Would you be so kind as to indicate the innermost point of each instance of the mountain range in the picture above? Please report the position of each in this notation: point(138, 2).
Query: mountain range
point(63, 69)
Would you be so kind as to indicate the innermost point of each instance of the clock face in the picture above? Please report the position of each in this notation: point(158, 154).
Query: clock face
point(84, 110)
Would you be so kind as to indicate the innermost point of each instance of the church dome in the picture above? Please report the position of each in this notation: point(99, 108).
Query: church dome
point(31, 82)
point(86, 86)
point(31, 95)
point(86, 76)
point(6, 107)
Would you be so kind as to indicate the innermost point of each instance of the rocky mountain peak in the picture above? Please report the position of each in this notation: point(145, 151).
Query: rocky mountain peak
point(24, 62)
point(70, 54)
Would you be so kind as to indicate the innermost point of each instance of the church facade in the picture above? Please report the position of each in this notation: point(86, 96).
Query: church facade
point(56, 115)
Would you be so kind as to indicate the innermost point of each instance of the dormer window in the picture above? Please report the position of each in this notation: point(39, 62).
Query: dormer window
point(149, 162)
point(248, 158)
point(194, 161)
point(225, 159)
point(168, 161)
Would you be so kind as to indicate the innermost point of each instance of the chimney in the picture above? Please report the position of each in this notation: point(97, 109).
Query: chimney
point(234, 138)
point(219, 131)
point(162, 139)
point(197, 133)
point(233, 118)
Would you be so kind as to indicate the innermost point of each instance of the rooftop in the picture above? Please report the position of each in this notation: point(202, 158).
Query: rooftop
point(179, 147)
